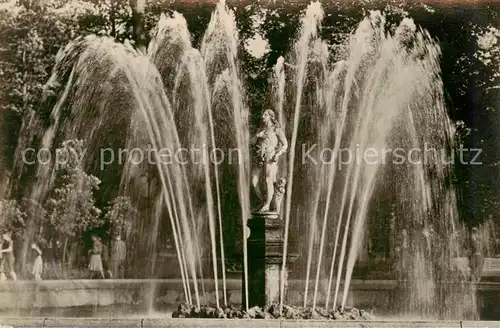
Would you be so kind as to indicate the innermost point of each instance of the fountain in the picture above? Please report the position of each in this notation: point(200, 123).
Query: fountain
point(385, 95)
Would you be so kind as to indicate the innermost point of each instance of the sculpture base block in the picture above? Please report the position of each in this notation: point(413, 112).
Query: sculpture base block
point(265, 259)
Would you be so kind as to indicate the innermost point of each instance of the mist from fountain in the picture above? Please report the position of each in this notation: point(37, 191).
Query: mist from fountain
point(387, 94)
point(220, 51)
point(191, 103)
point(107, 83)
point(93, 94)
point(308, 33)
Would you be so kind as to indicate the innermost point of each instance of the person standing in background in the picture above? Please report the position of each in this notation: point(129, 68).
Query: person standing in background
point(3, 277)
point(105, 261)
point(476, 258)
point(38, 262)
point(8, 259)
point(401, 260)
point(95, 264)
point(118, 256)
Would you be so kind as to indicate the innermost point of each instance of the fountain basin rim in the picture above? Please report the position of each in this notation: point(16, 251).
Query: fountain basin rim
point(78, 284)
point(268, 215)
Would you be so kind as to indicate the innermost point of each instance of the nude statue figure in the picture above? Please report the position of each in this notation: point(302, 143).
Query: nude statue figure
point(268, 145)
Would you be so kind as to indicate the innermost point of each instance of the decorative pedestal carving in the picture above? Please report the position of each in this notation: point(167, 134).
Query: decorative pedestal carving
point(265, 256)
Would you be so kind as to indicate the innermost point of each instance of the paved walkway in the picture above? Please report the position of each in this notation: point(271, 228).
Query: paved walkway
point(232, 323)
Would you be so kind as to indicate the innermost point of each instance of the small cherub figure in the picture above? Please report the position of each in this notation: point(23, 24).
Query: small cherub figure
point(279, 191)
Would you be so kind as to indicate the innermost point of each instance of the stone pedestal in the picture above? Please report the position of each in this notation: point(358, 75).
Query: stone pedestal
point(265, 259)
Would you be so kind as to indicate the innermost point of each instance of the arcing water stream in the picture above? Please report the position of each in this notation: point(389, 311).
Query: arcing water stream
point(386, 95)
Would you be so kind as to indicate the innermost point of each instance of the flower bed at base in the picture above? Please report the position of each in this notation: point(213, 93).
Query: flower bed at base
point(185, 310)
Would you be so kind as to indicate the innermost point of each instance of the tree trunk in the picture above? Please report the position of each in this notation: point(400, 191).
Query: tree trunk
point(112, 18)
point(138, 30)
point(63, 262)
